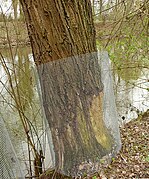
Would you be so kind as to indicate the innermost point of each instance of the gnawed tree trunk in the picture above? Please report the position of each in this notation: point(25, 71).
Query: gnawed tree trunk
point(62, 37)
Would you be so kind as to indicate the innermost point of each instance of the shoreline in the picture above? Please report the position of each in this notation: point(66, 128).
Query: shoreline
point(14, 43)
point(13, 34)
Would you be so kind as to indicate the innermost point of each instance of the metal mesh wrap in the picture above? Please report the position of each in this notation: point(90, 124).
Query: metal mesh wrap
point(9, 166)
point(109, 104)
point(79, 105)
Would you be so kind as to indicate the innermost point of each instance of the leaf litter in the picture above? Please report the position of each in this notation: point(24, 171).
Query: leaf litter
point(132, 162)
point(133, 159)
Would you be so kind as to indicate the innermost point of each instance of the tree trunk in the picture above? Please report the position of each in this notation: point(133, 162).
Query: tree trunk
point(62, 37)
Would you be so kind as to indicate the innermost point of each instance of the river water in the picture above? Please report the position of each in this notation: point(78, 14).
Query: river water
point(131, 84)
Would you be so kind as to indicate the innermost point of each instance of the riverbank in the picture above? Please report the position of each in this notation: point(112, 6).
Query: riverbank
point(13, 34)
point(133, 159)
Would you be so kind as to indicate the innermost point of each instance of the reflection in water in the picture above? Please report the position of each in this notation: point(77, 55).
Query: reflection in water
point(22, 73)
point(130, 88)
point(25, 79)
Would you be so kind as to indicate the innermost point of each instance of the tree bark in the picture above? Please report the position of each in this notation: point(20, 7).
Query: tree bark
point(62, 37)
point(59, 29)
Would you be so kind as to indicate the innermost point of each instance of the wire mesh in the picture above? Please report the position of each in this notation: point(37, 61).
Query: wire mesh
point(81, 112)
point(9, 165)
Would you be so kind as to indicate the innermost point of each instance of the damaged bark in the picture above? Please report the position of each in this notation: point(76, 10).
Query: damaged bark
point(62, 37)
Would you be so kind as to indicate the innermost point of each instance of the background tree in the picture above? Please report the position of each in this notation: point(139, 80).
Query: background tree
point(62, 37)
